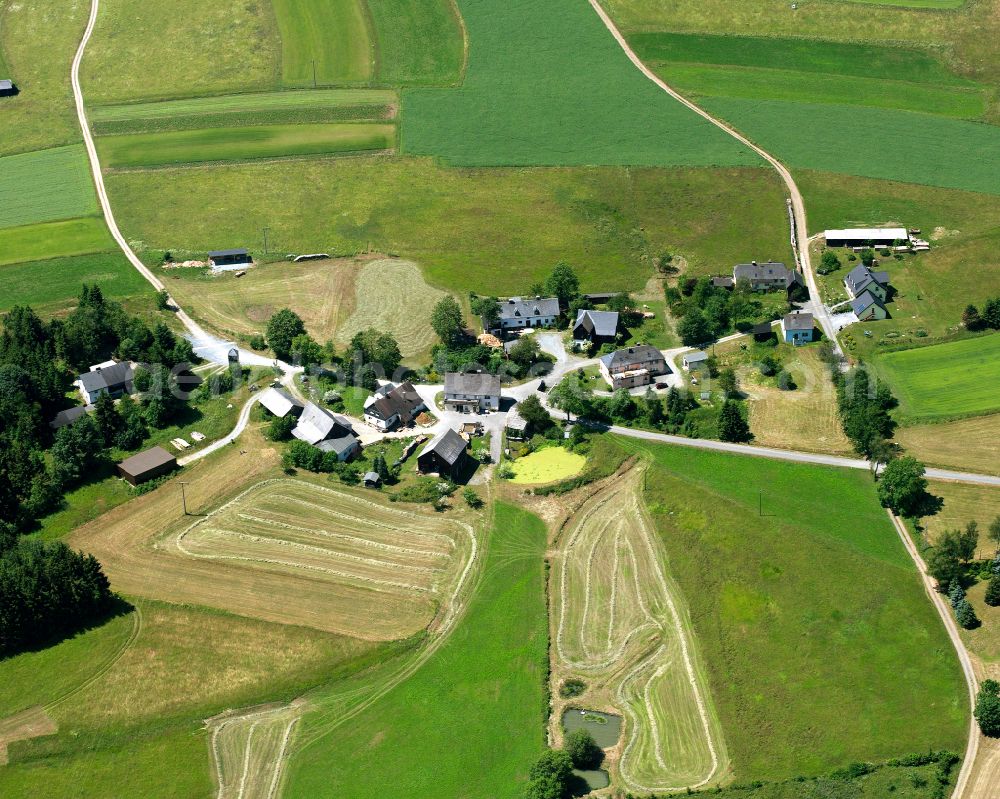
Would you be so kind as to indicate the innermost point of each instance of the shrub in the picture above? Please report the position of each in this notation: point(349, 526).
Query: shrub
point(472, 499)
point(505, 471)
point(987, 711)
point(956, 594)
point(257, 342)
point(572, 687)
point(993, 591)
point(583, 749)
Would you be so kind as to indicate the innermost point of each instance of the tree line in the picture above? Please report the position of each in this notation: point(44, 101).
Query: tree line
point(987, 319)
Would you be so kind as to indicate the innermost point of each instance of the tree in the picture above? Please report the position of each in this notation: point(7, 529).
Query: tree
point(487, 309)
point(903, 487)
point(965, 615)
point(534, 413)
point(694, 329)
point(769, 365)
point(572, 397)
point(988, 708)
point(971, 318)
point(282, 328)
point(472, 499)
point(968, 542)
point(828, 263)
point(880, 453)
point(162, 300)
point(583, 749)
point(381, 468)
point(621, 405)
point(993, 591)
point(447, 321)
point(654, 408)
point(280, 428)
point(868, 256)
point(305, 351)
point(993, 532)
point(991, 313)
point(133, 428)
point(563, 283)
point(376, 347)
point(77, 448)
point(109, 421)
point(728, 382)
point(732, 425)
point(525, 351)
point(551, 776)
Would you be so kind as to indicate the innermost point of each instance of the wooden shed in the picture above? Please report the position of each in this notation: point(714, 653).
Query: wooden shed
point(147, 465)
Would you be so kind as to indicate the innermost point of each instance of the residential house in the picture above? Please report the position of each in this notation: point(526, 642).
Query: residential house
point(866, 237)
point(517, 313)
point(327, 431)
point(868, 308)
point(147, 465)
point(110, 377)
point(471, 392)
point(444, 455)
point(767, 276)
point(633, 366)
point(861, 279)
point(393, 405)
point(281, 403)
point(798, 328)
point(694, 360)
point(595, 327)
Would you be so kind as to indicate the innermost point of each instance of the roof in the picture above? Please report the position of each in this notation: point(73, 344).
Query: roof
point(372, 477)
point(317, 424)
point(340, 440)
point(866, 233)
point(105, 377)
point(515, 421)
point(476, 383)
point(147, 461)
point(597, 323)
point(798, 321)
point(864, 302)
point(631, 355)
point(227, 253)
point(761, 328)
point(861, 276)
point(449, 446)
point(6, 85)
point(279, 402)
point(518, 308)
point(768, 270)
point(696, 357)
point(402, 399)
point(724, 282)
point(69, 416)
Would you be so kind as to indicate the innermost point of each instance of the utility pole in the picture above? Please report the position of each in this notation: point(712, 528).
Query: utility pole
point(184, 499)
point(314, 73)
point(265, 239)
point(760, 501)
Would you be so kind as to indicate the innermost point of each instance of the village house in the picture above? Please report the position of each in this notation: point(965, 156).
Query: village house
point(866, 237)
point(281, 403)
point(767, 276)
point(694, 360)
point(444, 455)
point(595, 327)
point(471, 392)
point(798, 328)
point(633, 366)
point(517, 313)
point(393, 405)
point(868, 308)
point(327, 432)
point(110, 377)
point(861, 279)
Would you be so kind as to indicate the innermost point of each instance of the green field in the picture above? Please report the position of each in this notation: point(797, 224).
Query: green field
point(547, 465)
point(418, 42)
point(821, 646)
point(950, 380)
point(547, 84)
point(471, 720)
point(51, 240)
point(53, 285)
point(330, 36)
point(481, 230)
point(238, 144)
point(46, 185)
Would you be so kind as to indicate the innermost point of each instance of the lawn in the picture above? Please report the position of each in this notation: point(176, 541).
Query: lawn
point(49, 240)
point(418, 42)
point(547, 84)
point(328, 39)
point(943, 381)
point(821, 646)
point(235, 144)
point(547, 465)
point(483, 230)
point(52, 286)
point(45, 185)
point(484, 688)
point(967, 444)
point(185, 48)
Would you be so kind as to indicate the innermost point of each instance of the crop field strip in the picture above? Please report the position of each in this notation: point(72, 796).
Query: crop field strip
point(619, 621)
point(331, 37)
point(49, 240)
point(45, 186)
point(417, 42)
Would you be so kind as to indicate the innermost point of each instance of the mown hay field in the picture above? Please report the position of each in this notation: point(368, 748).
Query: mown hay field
point(49, 240)
point(44, 186)
point(964, 503)
point(328, 39)
point(967, 444)
point(418, 42)
point(819, 642)
point(547, 84)
point(945, 380)
point(237, 144)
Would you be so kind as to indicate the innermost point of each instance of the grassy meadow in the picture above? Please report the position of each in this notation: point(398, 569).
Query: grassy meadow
point(483, 688)
point(238, 144)
point(46, 185)
point(50, 240)
point(482, 230)
point(418, 42)
point(821, 646)
point(326, 38)
point(51, 286)
point(546, 84)
point(967, 444)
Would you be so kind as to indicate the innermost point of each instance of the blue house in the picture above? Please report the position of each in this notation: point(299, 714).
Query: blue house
point(798, 328)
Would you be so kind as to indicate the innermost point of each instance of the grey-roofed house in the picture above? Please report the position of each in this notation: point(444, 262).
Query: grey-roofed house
point(597, 327)
point(444, 455)
point(146, 465)
point(281, 403)
point(517, 313)
point(798, 328)
point(868, 307)
point(70, 416)
point(633, 366)
point(767, 276)
point(393, 405)
point(694, 360)
point(326, 431)
point(471, 392)
point(106, 378)
point(7, 88)
point(861, 279)
point(723, 282)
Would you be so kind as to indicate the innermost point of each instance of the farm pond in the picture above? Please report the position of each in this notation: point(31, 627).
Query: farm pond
point(606, 729)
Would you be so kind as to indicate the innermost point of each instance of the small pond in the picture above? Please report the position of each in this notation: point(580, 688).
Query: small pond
point(605, 727)
point(595, 778)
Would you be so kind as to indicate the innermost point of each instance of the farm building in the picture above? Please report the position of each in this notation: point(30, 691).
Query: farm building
point(798, 328)
point(471, 392)
point(517, 313)
point(327, 432)
point(516, 425)
point(595, 327)
point(281, 403)
point(761, 331)
point(723, 282)
point(372, 480)
point(767, 276)
point(694, 360)
point(70, 416)
point(7, 88)
point(230, 258)
point(866, 237)
point(110, 377)
point(443, 455)
point(392, 405)
point(868, 308)
point(861, 279)
point(146, 465)
point(633, 366)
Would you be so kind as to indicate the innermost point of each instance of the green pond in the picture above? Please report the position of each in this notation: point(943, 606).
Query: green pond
point(605, 727)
